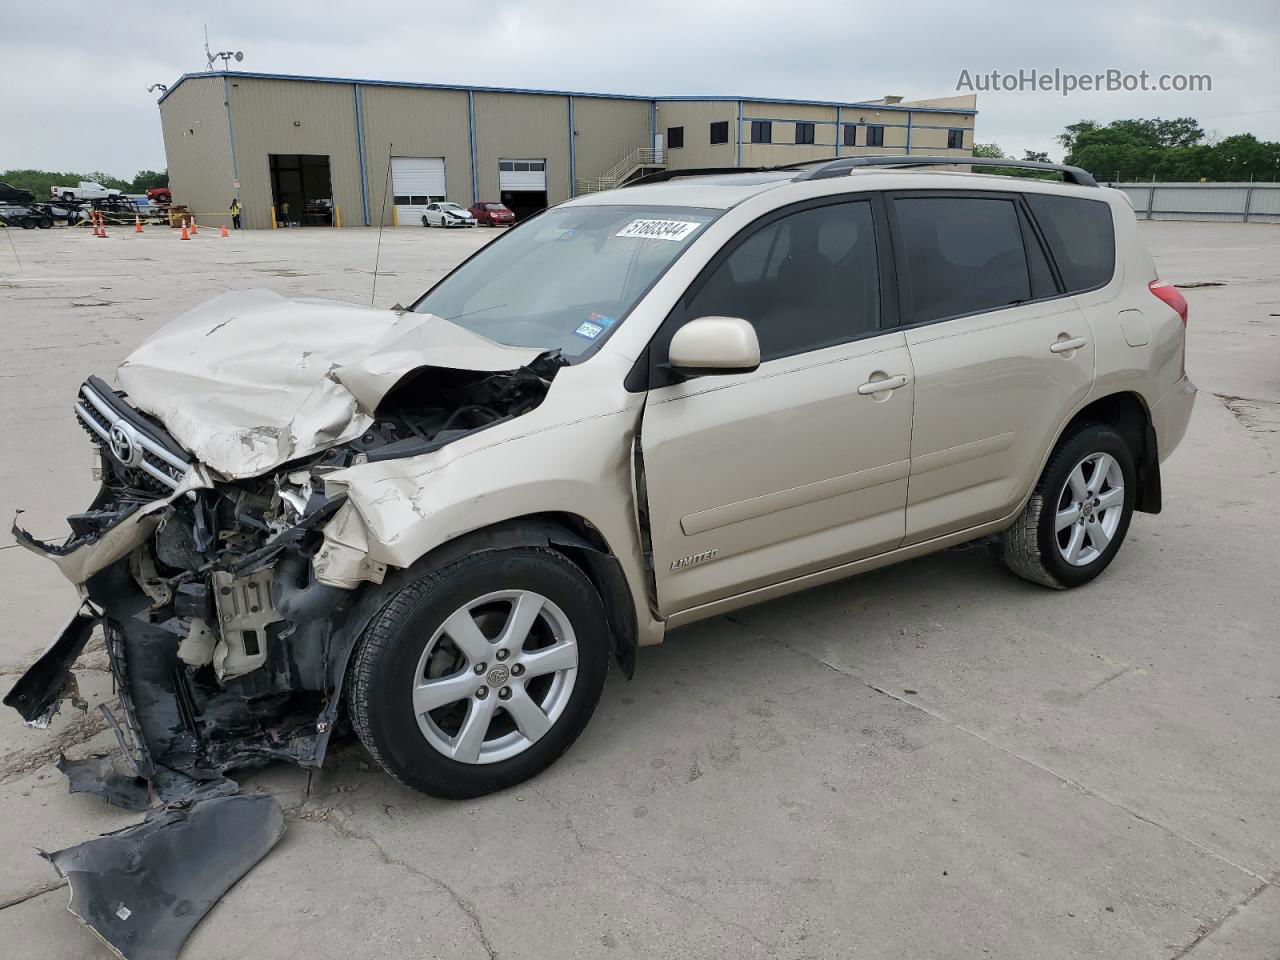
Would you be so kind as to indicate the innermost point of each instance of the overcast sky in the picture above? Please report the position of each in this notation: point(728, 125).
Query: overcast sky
point(82, 104)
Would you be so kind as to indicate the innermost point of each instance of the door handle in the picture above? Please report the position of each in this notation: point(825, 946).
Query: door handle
point(881, 386)
point(1065, 346)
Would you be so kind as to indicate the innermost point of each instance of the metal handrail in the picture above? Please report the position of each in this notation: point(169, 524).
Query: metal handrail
point(614, 176)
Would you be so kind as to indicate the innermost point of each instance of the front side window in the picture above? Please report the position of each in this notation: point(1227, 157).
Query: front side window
point(875, 136)
point(720, 131)
point(804, 133)
point(805, 281)
point(761, 131)
point(962, 255)
point(675, 137)
point(1080, 236)
point(565, 278)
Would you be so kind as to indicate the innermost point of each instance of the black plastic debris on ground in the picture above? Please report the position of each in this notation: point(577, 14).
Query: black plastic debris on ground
point(143, 889)
point(98, 774)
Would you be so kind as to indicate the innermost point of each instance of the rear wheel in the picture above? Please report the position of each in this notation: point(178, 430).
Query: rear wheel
point(1079, 513)
point(479, 675)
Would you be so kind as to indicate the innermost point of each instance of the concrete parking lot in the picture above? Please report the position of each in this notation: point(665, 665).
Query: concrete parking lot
point(935, 760)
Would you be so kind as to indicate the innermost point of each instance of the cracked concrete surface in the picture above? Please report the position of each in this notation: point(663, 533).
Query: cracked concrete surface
point(934, 760)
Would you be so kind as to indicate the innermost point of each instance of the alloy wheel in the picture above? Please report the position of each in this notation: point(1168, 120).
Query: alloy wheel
point(495, 676)
point(1089, 508)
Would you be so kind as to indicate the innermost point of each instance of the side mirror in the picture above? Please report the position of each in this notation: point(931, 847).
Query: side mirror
point(711, 345)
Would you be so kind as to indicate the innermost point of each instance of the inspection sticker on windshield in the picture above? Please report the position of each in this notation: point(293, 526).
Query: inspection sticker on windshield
point(658, 229)
point(589, 330)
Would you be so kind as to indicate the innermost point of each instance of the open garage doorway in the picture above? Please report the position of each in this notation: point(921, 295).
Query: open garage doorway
point(301, 189)
point(523, 185)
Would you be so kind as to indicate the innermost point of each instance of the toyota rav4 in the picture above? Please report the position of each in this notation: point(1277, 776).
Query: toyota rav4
point(641, 408)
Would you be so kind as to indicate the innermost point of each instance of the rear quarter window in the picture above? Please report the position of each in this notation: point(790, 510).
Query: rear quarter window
point(1081, 237)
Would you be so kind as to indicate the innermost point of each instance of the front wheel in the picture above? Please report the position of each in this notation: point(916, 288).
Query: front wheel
point(478, 675)
point(1079, 513)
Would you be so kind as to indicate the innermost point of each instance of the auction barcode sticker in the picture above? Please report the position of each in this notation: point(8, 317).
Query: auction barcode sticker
point(658, 229)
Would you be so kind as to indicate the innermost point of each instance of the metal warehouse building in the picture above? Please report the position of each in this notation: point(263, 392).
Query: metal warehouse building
point(322, 148)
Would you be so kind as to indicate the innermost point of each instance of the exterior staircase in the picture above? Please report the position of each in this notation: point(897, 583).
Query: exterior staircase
point(638, 162)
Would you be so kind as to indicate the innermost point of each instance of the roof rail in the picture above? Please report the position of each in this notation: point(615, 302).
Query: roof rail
point(662, 176)
point(843, 165)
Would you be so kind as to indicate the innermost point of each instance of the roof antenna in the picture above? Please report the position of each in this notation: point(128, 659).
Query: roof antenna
point(382, 219)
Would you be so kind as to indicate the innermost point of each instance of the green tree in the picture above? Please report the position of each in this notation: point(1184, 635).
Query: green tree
point(990, 150)
point(149, 178)
point(1039, 156)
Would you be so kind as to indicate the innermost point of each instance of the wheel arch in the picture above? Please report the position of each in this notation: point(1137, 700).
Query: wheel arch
point(1128, 414)
point(569, 534)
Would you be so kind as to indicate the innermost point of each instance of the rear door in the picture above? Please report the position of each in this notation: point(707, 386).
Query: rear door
point(801, 465)
point(1001, 355)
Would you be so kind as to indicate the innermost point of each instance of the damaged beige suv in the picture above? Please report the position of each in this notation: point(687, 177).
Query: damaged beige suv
point(637, 410)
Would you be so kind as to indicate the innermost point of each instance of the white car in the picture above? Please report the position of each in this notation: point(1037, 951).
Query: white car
point(446, 214)
point(85, 190)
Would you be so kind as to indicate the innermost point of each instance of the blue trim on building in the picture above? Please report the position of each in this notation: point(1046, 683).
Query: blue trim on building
point(364, 176)
point(737, 139)
point(555, 93)
point(471, 136)
point(231, 134)
point(573, 165)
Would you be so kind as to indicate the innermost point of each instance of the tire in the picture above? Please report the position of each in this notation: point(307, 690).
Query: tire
point(1036, 549)
point(45, 223)
point(28, 223)
point(411, 643)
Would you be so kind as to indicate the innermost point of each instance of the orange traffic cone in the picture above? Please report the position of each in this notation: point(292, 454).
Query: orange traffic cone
point(97, 230)
point(193, 226)
point(224, 231)
point(137, 223)
point(102, 227)
point(184, 229)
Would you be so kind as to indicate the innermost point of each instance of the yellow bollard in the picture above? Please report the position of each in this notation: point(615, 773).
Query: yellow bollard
point(337, 216)
point(273, 218)
point(395, 219)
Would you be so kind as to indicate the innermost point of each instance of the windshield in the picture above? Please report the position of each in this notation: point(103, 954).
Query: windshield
point(449, 206)
point(496, 207)
point(563, 279)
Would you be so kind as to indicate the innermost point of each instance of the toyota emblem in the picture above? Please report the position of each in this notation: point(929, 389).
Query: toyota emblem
point(122, 447)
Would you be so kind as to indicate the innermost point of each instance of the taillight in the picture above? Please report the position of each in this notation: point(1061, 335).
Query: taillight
point(1170, 294)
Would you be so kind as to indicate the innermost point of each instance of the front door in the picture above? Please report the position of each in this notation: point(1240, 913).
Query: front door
point(1000, 357)
point(756, 478)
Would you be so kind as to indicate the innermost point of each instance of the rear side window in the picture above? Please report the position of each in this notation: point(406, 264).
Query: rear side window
point(805, 281)
point(1081, 238)
point(962, 255)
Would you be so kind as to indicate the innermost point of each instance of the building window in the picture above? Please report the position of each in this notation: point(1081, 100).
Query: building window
point(850, 135)
point(762, 131)
point(720, 131)
point(675, 138)
point(875, 136)
point(955, 139)
point(804, 133)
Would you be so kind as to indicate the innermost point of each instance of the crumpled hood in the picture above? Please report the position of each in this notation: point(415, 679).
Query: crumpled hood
point(251, 380)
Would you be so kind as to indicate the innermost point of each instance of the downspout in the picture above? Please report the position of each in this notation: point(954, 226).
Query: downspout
point(909, 116)
point(231, 134)
point(573, 164)
point(364, 177)
point(471, 133)
point(839, 131)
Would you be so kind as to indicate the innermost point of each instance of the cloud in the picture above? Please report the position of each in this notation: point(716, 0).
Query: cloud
point(89, 110)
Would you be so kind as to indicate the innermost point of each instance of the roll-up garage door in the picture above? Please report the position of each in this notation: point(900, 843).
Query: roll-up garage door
point(416, 182)
point(522, 174)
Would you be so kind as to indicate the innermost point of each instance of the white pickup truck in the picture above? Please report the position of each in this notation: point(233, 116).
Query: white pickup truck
point(86, 190)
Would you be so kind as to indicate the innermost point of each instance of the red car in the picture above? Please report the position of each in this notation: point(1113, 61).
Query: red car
point(159, 195)
point(488, 213)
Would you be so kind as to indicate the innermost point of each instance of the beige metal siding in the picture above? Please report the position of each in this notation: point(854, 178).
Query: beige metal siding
point(197, 148)
point(696, 116)
point(606, 132)
point(417, 123)
point(522, 126)
point(294, 116)
point(783, 149)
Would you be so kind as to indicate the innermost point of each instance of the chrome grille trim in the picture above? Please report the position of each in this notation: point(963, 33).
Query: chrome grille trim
point(151, 458)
